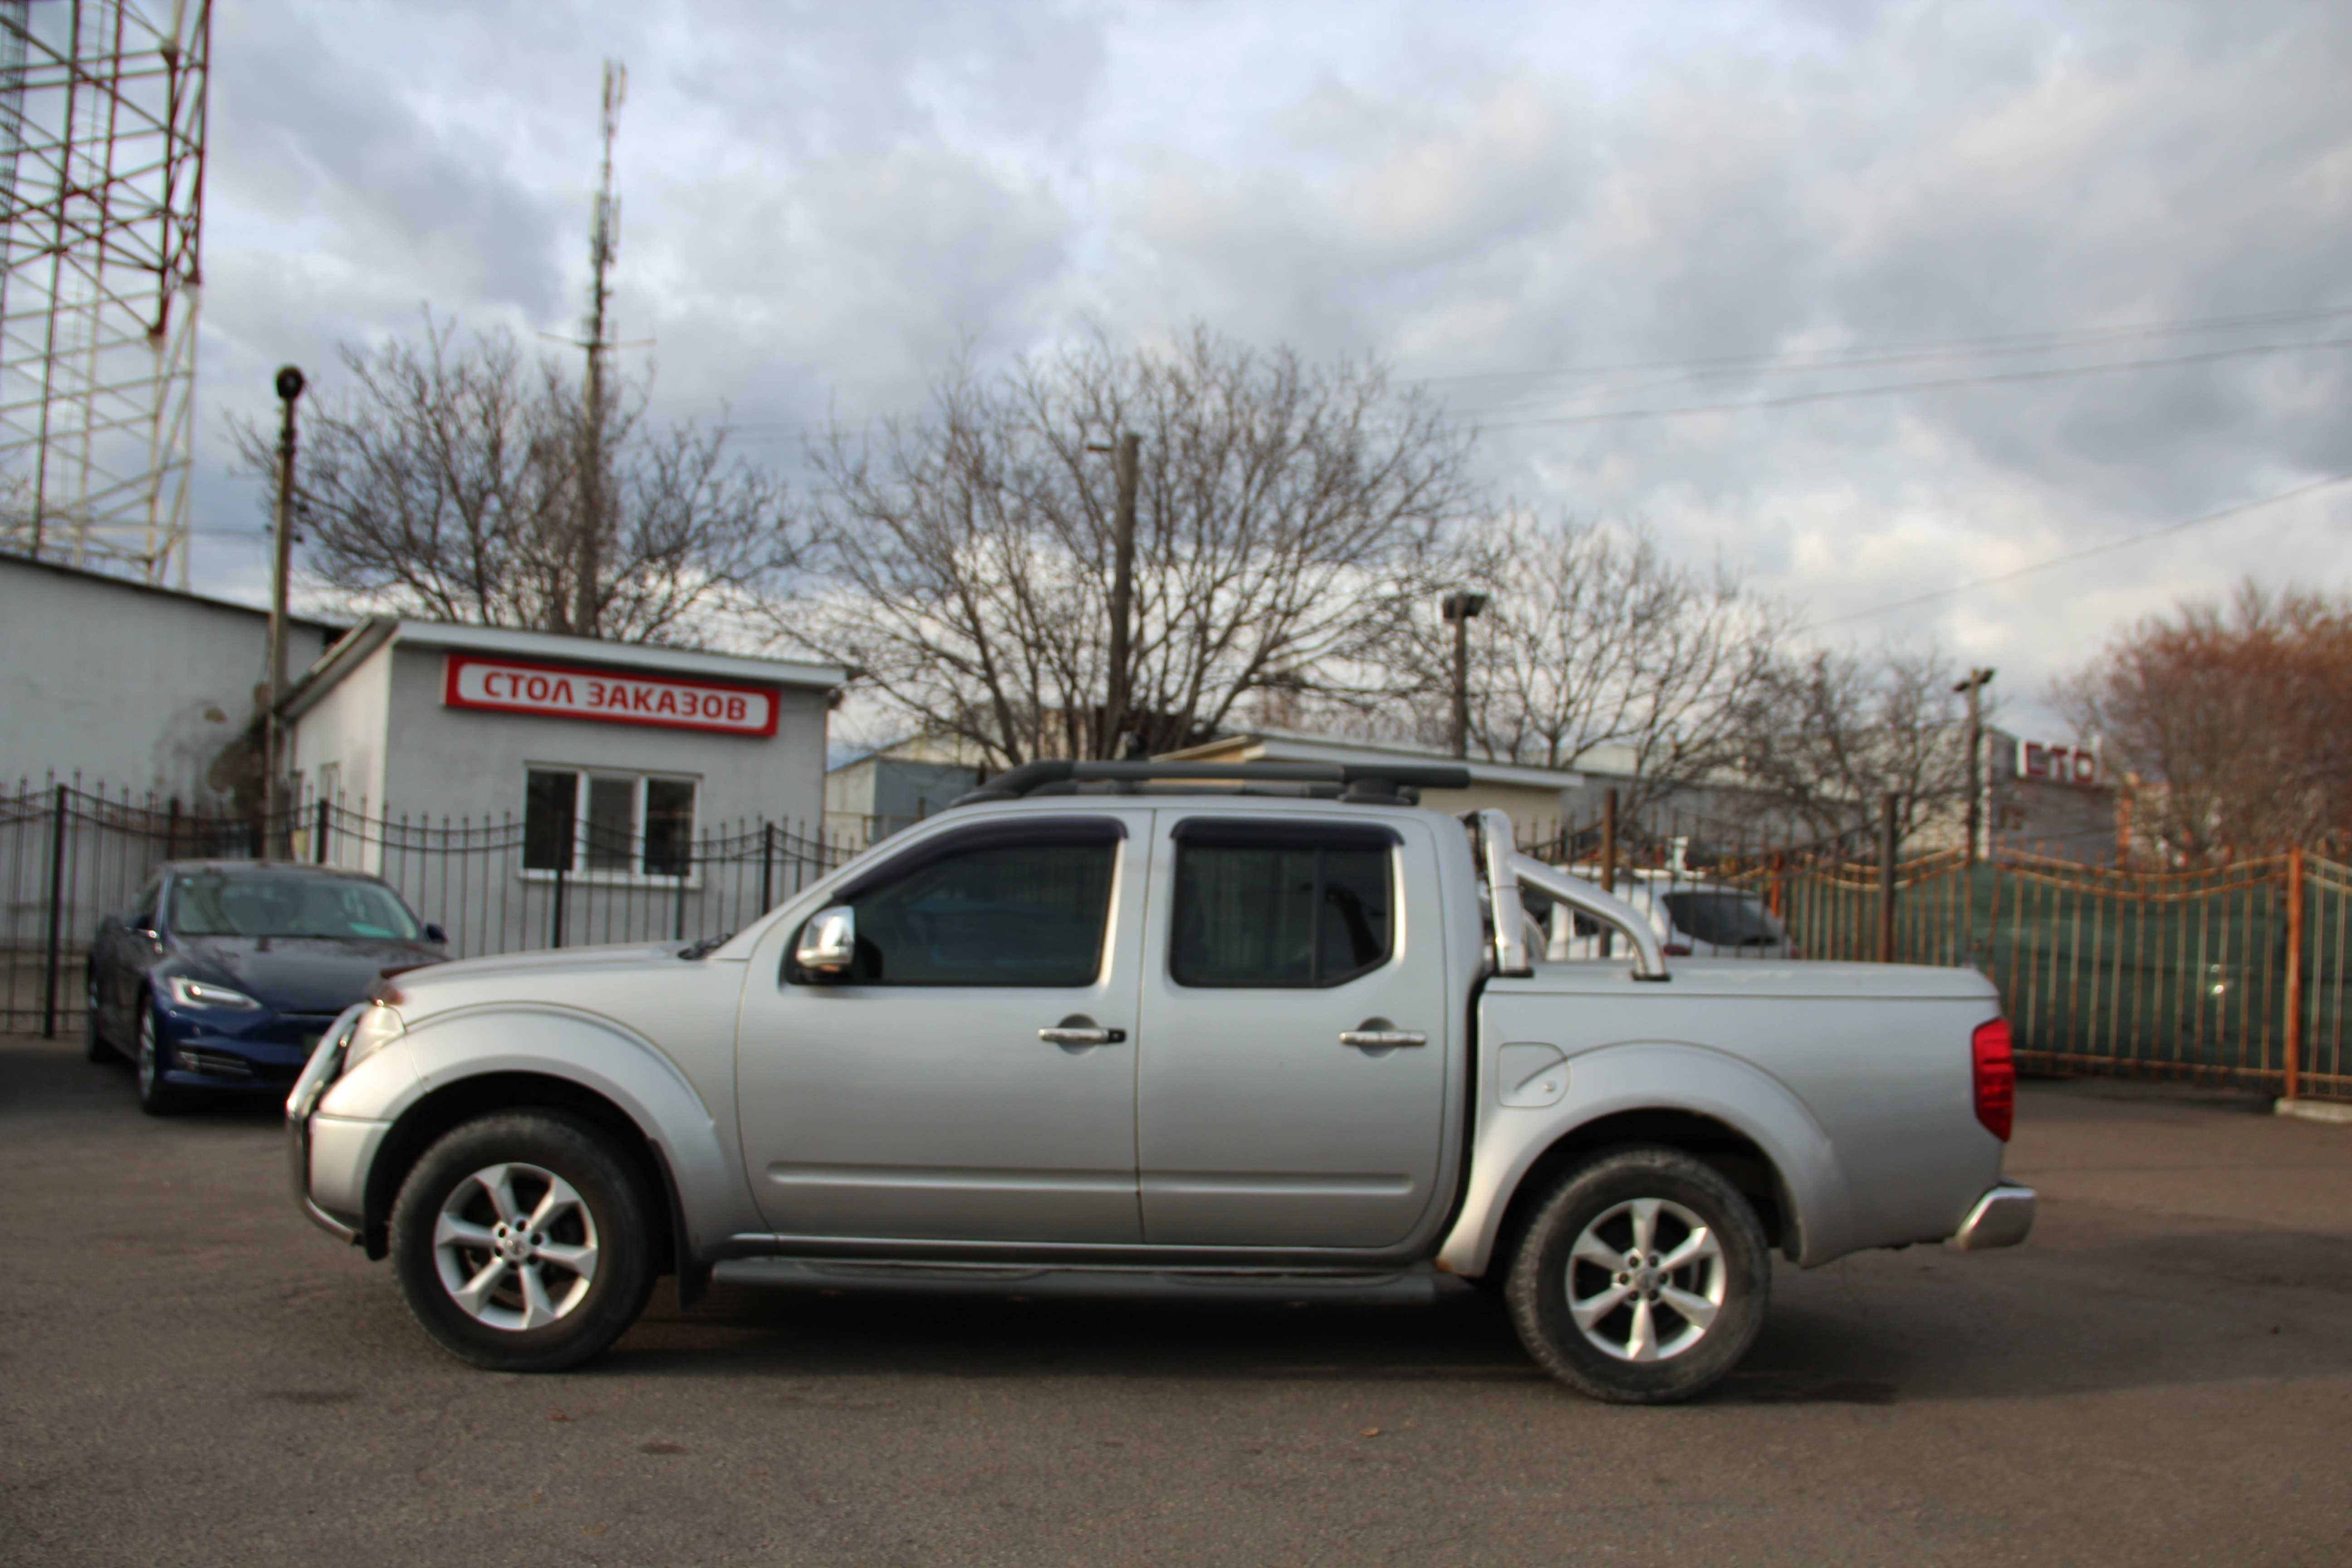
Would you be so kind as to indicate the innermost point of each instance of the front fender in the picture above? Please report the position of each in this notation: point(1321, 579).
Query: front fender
point(607, 1058)
point(1648, 1076)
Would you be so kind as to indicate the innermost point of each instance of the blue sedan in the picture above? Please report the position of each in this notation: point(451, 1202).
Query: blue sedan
point(228, 971)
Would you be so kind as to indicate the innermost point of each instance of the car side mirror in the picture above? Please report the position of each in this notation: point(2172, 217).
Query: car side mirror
point(434, 933)
point(828, 943)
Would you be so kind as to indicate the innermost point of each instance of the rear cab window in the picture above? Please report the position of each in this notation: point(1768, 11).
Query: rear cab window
point(1281, 905)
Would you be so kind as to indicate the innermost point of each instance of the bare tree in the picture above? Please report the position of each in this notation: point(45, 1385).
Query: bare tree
point(442, 481)
point(971, 550)
point(1590, 636)
point(2231, 724)
point(1821, 738)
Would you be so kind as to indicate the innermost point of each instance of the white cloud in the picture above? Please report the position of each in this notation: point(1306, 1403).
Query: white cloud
point(822, 201)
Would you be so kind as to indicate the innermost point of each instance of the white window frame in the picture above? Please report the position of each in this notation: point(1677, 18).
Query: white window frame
point(636, 876)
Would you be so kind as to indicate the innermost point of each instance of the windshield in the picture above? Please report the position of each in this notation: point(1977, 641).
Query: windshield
point(1725, 920)
point(288, 903)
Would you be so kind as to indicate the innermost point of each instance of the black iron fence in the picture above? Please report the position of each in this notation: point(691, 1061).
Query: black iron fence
point(70, 857)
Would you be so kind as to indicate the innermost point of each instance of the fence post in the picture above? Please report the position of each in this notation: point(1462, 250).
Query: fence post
point(562, 867)
point(318, 835)
point(1887, 841)
point(2294, 1052)
point(57, 911)
point(767, 865)
point(1607, 860)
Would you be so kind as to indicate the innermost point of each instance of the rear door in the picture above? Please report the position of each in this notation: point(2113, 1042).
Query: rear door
point(916, 1098)
point(1295, 1042)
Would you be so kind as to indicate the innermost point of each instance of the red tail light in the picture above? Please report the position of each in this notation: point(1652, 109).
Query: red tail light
point(1996, 1078)
point(1676, 949)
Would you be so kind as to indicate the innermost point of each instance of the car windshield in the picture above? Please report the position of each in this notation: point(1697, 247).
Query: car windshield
point(288, 903)
point(1725, 920)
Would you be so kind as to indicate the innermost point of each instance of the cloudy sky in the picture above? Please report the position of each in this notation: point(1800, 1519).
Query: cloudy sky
point(1688, 264)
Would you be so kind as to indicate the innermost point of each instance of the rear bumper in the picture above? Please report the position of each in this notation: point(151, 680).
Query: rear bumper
point(2003, 1217)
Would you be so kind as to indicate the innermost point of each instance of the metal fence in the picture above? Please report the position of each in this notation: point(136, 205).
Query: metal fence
point(69, 858)
point(2230, 974)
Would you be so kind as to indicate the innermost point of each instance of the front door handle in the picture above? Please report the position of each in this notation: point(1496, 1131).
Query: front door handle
point(1080, 1030)
point(1382, 1039)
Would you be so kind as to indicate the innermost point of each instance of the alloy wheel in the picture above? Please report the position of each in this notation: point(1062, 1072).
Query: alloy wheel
point(150, 1068)
point(1646, 1279)
point(516, 1247)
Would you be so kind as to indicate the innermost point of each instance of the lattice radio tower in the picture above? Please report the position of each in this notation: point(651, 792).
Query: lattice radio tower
point(102, 200)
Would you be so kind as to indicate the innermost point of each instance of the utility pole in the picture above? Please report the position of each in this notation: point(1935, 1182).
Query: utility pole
point(1973, 687)
point(603, 240)
point(273, 745)
point(1129, 455)
point(1456, 608)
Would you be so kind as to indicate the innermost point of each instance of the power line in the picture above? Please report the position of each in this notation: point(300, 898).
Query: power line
point(2050, 373)
point(2113, 544)
point(2046, 339)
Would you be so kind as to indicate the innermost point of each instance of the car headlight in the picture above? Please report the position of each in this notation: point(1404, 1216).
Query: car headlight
point(187, 993)
point(377, 1027)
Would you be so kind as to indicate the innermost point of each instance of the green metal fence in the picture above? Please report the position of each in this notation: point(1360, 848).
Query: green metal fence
point(2192, 975)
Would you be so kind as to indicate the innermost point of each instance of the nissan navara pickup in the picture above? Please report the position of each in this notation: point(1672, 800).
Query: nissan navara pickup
point(1131, 1025)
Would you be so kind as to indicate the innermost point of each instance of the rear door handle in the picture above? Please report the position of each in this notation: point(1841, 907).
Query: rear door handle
point(1382, 1039)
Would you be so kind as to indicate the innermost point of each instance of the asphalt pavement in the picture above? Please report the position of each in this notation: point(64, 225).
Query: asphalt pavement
point(189, 1373)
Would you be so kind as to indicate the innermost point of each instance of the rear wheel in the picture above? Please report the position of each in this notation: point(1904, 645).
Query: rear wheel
point(156, 1097)
point(1642, 1278)
point(524, 1242)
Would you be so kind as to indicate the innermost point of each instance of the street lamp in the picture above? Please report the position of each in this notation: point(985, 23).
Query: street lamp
point(289, 386)
point(1455, 609)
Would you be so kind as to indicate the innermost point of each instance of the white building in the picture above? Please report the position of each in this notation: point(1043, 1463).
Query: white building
point(133, 688)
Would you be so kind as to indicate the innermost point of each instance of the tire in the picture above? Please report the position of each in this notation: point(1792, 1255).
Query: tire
point(1699, 1319)
point(477, 1282)
point(156, 1097)
point(94, 1043)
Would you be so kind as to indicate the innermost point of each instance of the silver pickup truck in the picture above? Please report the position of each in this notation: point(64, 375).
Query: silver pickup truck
point(1139, 1026)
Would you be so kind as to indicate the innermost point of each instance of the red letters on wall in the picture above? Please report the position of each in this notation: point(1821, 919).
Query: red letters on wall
point(559, 691)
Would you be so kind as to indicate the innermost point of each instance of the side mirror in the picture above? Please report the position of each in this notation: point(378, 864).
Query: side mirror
point(828, 943)
point(434, 933)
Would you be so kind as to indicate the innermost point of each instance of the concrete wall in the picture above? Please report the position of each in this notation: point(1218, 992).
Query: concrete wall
point(136, 687)
point(346, 729)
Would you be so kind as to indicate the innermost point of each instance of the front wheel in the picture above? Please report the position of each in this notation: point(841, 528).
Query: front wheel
point(524, 1242)
point(1642, 1278)
point(94, 1043)
point(156, 1097)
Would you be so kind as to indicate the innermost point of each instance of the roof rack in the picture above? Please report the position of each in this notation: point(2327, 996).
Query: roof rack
point(1371, 784)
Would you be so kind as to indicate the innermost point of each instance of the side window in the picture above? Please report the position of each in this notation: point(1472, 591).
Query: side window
point(142, 917)
point(1277, 905)
point(1025, 905)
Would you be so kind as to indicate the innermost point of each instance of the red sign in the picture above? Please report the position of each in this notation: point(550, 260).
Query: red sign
point(2077, 765)
point(567, 692)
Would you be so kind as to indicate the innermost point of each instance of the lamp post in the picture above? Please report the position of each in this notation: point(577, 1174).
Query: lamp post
point(290, 388)
point(1455, 609)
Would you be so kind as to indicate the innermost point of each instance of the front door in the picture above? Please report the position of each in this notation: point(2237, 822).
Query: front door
point(1297, 1034)
point(914, 1098)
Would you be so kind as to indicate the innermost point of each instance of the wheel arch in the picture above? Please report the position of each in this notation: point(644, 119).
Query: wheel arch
point(453, 1104)
point(1719, 1145)
point(1741, 1121)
